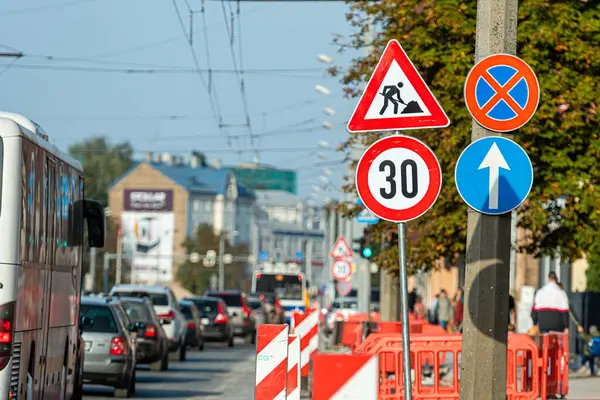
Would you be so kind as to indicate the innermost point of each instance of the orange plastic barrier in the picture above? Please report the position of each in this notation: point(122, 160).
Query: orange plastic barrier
point(435, 361)
point(555, 370)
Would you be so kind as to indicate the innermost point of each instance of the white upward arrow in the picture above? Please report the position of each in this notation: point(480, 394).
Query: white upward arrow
point(494, 160)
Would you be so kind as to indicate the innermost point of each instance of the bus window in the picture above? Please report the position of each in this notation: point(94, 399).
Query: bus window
point(284, 286)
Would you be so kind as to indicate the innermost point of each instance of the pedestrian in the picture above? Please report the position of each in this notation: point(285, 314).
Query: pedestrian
point(433, 310)
point(550, 311)
point(420, 309)
point(412, 299)
point(592, 348)
point(512, 316)
point(444, 309)
point(459, 306)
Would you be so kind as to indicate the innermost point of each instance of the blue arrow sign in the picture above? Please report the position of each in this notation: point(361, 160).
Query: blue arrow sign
point(493, 175)
point(299, 256)
point(263, 256)
point(366, 216)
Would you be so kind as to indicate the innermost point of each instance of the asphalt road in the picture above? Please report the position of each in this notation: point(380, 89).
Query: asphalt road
point(216, 373)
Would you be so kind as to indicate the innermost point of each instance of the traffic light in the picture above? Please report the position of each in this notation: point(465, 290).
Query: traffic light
point(366, 245)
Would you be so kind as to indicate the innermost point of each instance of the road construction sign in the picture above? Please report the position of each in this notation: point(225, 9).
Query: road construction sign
point(341, 249)
point(396, 97)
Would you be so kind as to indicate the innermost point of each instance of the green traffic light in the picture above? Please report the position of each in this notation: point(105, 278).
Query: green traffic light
point(367, 252)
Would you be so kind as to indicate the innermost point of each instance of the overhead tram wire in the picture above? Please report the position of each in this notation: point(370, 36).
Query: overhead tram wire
point(239, 70)
point(208, 151)
point(44, 8)
point(150, 45)
point(214, 104)
point(285, 72)
point(170, 117)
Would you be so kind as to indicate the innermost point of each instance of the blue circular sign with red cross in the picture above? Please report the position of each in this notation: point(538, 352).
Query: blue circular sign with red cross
point(502, 93)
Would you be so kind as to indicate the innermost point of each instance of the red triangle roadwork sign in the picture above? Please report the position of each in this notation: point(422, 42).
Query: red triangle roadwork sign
point(341, 249)
point(396, 97)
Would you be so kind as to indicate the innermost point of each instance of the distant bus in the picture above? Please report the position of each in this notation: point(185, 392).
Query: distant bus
point(288, 286)
point(41, 248)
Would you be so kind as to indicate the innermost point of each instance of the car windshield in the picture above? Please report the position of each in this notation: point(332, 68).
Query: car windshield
point(136, 311)
point(207, 308)
point(346, 304)
point(157, 299)
point(232, 300)
point(255, 303)
point(187, 311)
point(102, 318)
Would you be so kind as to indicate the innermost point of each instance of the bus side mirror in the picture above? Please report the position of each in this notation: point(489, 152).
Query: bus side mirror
point(94, 213)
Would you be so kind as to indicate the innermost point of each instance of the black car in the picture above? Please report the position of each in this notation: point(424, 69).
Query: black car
point(195, 331)
point(215, 319)
point(240, 313)
point(151, 342)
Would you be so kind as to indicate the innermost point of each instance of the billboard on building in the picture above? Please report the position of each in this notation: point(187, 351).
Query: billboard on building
point(148, 225)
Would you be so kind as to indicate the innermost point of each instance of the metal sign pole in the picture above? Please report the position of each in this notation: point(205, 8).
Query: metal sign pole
point(404, 311)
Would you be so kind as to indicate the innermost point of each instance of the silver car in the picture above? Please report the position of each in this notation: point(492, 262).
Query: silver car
point(110, 357)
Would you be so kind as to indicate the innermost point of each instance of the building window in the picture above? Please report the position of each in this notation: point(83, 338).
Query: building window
point(196, 205)
point(207, 206)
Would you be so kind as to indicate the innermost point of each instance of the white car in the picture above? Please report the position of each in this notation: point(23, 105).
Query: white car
point(166, 307)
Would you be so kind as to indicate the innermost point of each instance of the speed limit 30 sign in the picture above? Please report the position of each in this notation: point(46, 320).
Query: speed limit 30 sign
point(398, 178)
point(341, 269)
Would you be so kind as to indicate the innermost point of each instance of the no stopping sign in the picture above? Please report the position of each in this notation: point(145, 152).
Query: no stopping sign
point(398, 178)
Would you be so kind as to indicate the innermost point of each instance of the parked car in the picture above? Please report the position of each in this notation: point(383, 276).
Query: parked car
point(274, 310)
point(166, 307)
point(110, 353)
point(240, 313)
point(152, 344)
point(259, 310)
point(195, 331)
point(214, 317)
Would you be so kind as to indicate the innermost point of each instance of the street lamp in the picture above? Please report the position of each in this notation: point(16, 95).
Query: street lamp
point(329, 111)
point(221, 254)
point(323, 144)
point(323, 90)
point(327, 125)
point(324, 58)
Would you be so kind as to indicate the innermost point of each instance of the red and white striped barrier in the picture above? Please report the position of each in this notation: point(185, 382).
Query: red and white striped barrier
point(345, 377)
point(293, 368)
point(271, 362)
point(307, 327)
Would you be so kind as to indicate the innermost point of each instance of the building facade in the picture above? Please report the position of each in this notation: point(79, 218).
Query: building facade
point(161, 202)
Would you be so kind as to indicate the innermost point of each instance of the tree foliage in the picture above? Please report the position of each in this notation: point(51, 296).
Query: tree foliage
point(102, 163)
point(593, 272)
point(560, 40)
point(196, 277)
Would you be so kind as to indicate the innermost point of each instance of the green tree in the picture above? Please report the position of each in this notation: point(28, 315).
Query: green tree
point(102, 163)
point(560, 40)
point(593, 272)
point(196, 277)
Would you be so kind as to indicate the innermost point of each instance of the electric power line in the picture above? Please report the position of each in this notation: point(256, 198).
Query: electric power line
point(44, 8)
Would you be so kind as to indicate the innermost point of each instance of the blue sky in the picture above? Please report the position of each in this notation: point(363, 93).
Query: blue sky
point(109, 35)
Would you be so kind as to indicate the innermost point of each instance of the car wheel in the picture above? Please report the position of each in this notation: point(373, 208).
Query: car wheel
point(182, 351)
point(164, 364)
point(132, 384)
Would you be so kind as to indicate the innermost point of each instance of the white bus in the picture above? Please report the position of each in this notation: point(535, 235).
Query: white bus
point(42, 212)
point(285, 281)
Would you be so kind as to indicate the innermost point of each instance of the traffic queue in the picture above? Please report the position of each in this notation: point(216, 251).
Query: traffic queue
point(147, 324)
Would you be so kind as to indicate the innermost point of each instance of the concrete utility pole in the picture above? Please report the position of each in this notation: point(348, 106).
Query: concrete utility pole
point(221, 262)
point(485, 329)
